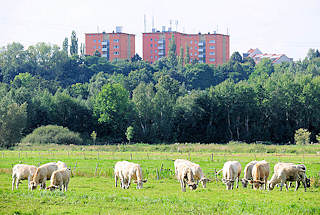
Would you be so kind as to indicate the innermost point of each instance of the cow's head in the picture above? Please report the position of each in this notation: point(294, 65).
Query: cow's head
point(33, 185)
point(308, 182)
point(140, 183)
point(244, 182)
point(204, 182)
point(229, 183)
point(192, 185)
point(52, 187)
point(270, 185)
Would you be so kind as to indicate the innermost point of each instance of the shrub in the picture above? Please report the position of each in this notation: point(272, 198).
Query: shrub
point(53, 134)
point(318, 138)
point(302, 136)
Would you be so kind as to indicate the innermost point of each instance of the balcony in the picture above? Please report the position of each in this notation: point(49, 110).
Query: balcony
point(160, 47)
point(105, 49)
point(161, 53)
point(104, 55)
point(201, 56)
point(161, 41)
point(201, 44)
point(201, 50)
point(105, 43)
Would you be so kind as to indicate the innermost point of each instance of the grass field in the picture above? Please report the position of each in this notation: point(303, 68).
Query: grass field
point(92, 191)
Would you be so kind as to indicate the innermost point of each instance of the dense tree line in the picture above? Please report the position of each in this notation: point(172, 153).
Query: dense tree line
point(168, 101)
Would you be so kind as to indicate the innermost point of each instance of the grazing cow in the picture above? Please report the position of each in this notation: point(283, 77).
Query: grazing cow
point(231, 173)
point(42, 174)
point(288, 173)
point(248, 173)
point(196, 170)
point(184, 175)
point(126, 172)
point(60, 179)
point(260, 174)
point(22, 172)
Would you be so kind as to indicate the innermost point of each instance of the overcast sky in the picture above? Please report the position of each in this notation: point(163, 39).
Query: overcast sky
point(288, 27)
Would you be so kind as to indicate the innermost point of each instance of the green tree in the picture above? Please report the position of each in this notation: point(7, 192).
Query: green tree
point(181, 57)
point(74, 44)
point(65, 45)
point(97, 53)
point(302, 137)
point(112, 107)
point(129, 133)
point(187, 55)
point(13, 120)
point(172, 53)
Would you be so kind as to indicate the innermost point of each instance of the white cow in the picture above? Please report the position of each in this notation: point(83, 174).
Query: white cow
point(184, 175)
point(126, 172)
point(231, 173)
point(42, 174)
point(248, 173)
point(260, 174)
point(288, 173)
point(22, 172)
point(60, 179)
point(196, 170)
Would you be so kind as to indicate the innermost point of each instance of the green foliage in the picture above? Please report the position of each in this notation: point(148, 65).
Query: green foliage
point(94, 136)
point(65, 45)
point(302, 137)
point(13, 118)
point(129, 133)
point(53, 134)
point(74, 44)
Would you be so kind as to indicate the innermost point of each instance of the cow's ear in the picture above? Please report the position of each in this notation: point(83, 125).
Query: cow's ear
point(135, 181)
point(144, 181)
point(250, 181)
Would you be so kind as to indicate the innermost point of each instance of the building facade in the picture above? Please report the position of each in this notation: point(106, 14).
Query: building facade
point(112, 46)
point(205, 48)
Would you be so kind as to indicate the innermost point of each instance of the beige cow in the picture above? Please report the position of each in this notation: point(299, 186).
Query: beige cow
point(42, 174)
point(260, 174)
point(248, 173)
point(60, 179)
point(22, 172)
point(184, 175)
point(126, 172)
point(231, 173)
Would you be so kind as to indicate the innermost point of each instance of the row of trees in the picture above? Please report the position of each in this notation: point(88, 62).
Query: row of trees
point(168, 101)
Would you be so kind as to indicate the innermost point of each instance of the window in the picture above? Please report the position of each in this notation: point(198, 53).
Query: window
point(115, 40)
point(155, 45)
point(212, 60)
point(151, 45)
point(94, 41)
point(156, 51)
point(195, 53)
point(150, 51)
point(151, 39)
point(156, 57)
point(151, 57)
point(190, 54)
point(104, 46)
point(116, 53)
point(94, 47)
point(212, 47)
point(98, 47)
point(212, 41)
point(212, 53)
point(190, 48)
point(190, 41)
point(195, 47)
point(155, 40)
point(99, 41)
point(115, 47)
point(195, 42)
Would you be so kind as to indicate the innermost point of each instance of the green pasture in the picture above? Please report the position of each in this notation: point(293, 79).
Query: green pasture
point(92, 191)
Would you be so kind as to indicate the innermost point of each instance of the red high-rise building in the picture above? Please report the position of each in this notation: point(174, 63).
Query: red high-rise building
point(205, 48)
point(112, 46)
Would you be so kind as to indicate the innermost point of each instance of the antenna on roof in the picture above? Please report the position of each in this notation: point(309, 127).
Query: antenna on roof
point(145, 23)
point(98, 29)
point(227, 31)
point(152, 22)
point(176, 25)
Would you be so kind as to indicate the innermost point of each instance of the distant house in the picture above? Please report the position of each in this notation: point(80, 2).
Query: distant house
point(257, 56)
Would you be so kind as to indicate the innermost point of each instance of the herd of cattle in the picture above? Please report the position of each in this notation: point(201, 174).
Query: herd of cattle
point(188, 174)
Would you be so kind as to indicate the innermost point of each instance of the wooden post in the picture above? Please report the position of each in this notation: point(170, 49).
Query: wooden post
point(211, 157)
point(96, 169)
point(189, 157)
point(98, 155)
point(2, 154)
point(19, 154)
point(68, 153)
point(157, 174)
point(148, 156)
point(131, 155)
point(161, 168)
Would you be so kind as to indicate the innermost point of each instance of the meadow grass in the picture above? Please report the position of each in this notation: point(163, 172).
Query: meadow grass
point(92, 191)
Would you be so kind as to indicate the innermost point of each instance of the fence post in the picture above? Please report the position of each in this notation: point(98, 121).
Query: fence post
point(131, 155)
point(211, 157)
point(19, 154)
point(2, 154)
point(189, 157)
point(96, 169)
point(157, 174)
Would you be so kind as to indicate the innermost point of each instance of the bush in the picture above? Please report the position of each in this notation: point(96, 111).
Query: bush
point(302, 136)
point(53, 134)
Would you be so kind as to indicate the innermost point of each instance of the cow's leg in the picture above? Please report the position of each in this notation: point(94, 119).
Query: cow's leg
point(13, 182)
point(297, 187)
point(238, 182)
point(129, 182)
point(115, 180)
point(17, 183)
point(281, 185)
point(183, 185)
